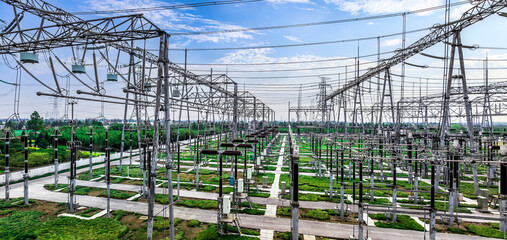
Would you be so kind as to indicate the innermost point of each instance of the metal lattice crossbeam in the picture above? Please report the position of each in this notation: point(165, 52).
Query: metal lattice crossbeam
point(96, 31)
point(477, 13)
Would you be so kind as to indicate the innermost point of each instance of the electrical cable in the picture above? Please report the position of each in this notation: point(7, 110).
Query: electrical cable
point(13, 84)
point(179, 6)
point(299, 44)
point(317, 23)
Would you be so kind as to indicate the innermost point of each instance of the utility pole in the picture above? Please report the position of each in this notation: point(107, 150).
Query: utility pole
point(7, 139)
point(25, 175)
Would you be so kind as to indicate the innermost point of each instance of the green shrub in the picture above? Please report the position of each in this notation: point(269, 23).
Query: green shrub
point(161, 224)
point(207, 188)
point(202, 204)
point(233, 229)
point(378, 216)
point(119, 214)
point(20, 225)
point(177, 221)
point(116, 194)
point(318, 214)
point(484, 231)
point(179, 235)
point(252, 211)
point(286, 236)
point(258, 194)
point(402, 222)
point(211, 233)
point(193, 223)
point(27, 225)
point(283, 211)
point(456, 230)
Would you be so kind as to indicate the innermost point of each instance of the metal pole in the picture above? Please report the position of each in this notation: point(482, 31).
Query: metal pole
point(72, 185)
point(108, 174)
point(295, 195)
point(25, 175)
point(7, 158)
point(162, 62)
point(169, 160)
point(55, 147)
point(91, 151)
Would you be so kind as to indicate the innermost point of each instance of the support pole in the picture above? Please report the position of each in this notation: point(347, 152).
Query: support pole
point(162, 64)
point(25, 175)
point(55, 147)
point(7, 158)
point(169, 161)
point(295, 194)
point(108, 174)
point(91, 152)
point(432, 205)
point(72, 178)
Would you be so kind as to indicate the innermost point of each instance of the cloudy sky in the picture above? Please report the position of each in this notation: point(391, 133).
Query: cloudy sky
point(300, 64)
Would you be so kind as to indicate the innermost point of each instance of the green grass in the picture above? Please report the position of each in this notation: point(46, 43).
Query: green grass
point(402, 222)
point(317, 198)
point(377, 201)
point(252, 211)
point(87, 212)
point(27, 225)
point(286, 236)
point(468, 190)
point(117, 194)
point(202, 204)
point(193, 223)
point(211, 233)
point(271, 177)
point(283, 211)
point(318, 214)
point(484, 231)
point(441, 206)
point(258, 194)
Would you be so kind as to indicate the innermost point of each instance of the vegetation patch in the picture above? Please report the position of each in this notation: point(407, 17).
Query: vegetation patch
point(202, 204)
point(193, 223)
point(484, 231)
point(402, 222)
point(318, 214)
point(27, 225)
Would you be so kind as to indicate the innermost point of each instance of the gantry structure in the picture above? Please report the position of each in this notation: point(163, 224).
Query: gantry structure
point(153, 84)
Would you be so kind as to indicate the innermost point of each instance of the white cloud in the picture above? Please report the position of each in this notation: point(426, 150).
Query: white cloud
point(306, 9)
point(292, 38)
point(457, 12)
point(383, 6)
point(288, 1)
point(247, 56)
point(391, 42)
point(175, 20)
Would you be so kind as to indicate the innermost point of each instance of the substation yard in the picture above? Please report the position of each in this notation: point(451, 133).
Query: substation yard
point(178, 124)
point(269, 212)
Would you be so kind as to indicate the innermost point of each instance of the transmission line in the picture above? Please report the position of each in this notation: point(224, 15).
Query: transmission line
point(317, 23)
point(179, 6)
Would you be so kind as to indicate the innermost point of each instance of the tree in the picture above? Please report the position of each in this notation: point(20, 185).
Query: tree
point(36, 122)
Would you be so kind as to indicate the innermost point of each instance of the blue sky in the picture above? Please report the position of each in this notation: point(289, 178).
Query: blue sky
point(279, 87)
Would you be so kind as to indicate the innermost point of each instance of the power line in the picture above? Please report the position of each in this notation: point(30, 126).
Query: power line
point(298, 44)
point(314, 61)
point(8, 82)
point(329, 67)
point(283, 70)
point(282, 63)
point(317, 23)
point(179, 6)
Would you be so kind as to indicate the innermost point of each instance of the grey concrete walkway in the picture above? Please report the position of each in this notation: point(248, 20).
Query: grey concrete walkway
point(270, 212)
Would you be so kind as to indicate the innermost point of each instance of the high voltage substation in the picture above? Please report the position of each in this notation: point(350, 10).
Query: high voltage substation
point(202, 150)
